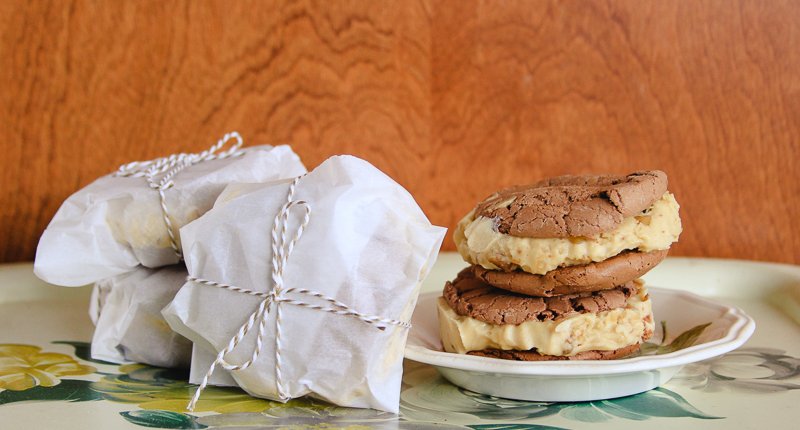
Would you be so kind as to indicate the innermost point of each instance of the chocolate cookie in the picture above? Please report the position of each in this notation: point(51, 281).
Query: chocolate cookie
point(571, 206)
point(470, 296)
point(532, 355)
point(603, 275)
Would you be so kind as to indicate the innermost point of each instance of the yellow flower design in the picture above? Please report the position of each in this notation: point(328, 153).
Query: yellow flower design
point(25, 366)
point(167, 390)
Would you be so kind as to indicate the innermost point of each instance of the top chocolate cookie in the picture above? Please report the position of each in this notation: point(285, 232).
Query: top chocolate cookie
point(571, 206)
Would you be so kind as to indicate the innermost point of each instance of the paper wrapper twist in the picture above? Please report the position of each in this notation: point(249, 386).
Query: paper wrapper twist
point(330, 307)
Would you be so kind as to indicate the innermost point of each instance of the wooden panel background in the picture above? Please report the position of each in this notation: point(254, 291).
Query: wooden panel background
point(453, 99)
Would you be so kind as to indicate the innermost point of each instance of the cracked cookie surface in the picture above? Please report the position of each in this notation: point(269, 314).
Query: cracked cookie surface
point(470, 296)
point(567, 335)
point(569, 206)
point(479, 242)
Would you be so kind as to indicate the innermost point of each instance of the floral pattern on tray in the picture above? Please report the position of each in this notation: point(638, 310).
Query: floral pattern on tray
point(158, 397)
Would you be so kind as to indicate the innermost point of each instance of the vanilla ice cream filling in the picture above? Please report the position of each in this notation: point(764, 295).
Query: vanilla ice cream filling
point(603, 331)
point(479, 242)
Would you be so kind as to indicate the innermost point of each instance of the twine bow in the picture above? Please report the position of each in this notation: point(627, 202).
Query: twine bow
point(281, 250)
point(160, 172)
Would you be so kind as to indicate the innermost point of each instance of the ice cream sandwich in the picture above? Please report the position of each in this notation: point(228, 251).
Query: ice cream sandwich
point(555, 268)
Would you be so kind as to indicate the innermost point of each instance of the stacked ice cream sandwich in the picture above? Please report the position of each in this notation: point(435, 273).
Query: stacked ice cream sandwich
point(555, 268)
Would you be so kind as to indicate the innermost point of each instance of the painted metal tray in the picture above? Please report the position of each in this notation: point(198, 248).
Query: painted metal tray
point(47, 380)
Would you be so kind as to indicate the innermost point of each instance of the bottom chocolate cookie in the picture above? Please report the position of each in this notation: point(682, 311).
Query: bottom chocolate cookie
point(532, 355)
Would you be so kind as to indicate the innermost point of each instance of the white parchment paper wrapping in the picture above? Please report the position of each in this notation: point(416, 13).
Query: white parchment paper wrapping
point(116, 223)
point(129, 324)
point(367, 245)
point(201, 361)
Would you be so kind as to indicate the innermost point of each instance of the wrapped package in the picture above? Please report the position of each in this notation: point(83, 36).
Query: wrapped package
point(304, 287)
point(129, 326)
point(132, 217)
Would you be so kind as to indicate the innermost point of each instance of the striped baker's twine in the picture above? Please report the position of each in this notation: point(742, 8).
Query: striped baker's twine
point(168, 167)
point(281, 250)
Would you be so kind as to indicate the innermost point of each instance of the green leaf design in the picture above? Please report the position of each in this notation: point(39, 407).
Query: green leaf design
point(69, 390)
point(587, 412)
point(83, 350)
point(513, 427)
point(162, 419)
point(659, 402)
point(685, 340)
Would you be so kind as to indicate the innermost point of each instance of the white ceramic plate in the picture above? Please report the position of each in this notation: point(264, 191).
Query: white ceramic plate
point(570, 381)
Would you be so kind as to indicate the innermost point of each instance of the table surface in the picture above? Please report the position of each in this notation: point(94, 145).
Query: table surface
point(44, 333)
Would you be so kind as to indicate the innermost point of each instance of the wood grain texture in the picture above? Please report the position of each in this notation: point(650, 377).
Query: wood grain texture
point(706, 91)
point(453, 99)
